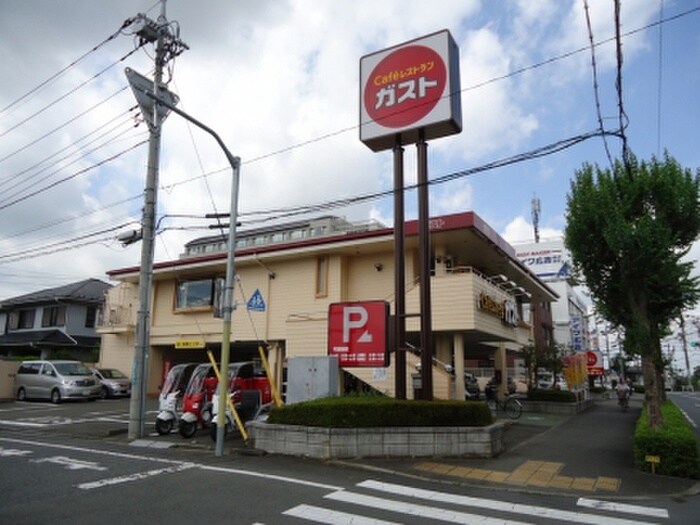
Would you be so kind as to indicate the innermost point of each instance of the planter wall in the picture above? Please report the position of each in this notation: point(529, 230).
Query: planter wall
point(326, 443)
point(554, 407)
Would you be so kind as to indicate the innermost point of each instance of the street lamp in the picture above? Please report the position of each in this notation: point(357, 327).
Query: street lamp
point(235, 163)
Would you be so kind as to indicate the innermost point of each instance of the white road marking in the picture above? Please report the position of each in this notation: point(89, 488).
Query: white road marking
point(7, 452)
point(237, 472)
point(517, 508)
point(134, 477)
point(90, 450)
point(332, 517)
point(413, 509)
point(688, 417)
point(622, 507)
point(70, 463)
point(273, 477)
point(23, 424)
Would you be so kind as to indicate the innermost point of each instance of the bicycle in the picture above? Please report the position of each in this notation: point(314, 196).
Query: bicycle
point(510, 405)
point(623, 400)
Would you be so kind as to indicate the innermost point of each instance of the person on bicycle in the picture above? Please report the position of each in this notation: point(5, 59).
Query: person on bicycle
point(623, 392)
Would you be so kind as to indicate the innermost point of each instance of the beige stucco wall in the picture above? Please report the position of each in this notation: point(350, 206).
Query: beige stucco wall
point(296, 317)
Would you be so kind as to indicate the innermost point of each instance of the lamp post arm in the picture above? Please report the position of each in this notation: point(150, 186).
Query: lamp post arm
point(234, 161)
point(230, 273)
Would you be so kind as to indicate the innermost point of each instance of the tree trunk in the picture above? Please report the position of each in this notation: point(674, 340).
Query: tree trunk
point(660, 375)
point(651, 392)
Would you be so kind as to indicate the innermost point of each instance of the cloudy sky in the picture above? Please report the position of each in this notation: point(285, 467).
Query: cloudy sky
point(279, 82)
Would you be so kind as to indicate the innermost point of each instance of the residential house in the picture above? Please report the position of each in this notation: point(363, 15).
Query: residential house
point(54, 323)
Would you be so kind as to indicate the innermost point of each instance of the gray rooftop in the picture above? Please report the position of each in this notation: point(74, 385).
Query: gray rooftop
point(87, 291)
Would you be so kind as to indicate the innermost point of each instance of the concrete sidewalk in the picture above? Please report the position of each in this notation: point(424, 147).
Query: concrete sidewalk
point(590, 454)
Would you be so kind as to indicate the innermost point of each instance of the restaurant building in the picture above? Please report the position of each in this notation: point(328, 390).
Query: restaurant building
point(486, 304)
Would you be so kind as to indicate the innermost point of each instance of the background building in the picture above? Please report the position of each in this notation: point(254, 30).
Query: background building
point(54, 323)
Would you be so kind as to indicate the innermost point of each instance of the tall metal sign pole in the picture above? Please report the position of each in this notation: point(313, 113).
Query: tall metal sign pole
point(426, 318)
point(399, 275)
point(409, 94)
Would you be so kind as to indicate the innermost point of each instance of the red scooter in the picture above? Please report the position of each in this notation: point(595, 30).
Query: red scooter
point(250, 393)
point(196, 404)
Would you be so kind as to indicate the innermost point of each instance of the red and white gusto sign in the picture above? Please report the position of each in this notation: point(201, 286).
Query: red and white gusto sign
point(358, 333)
point(408, 88)
point(594, 361)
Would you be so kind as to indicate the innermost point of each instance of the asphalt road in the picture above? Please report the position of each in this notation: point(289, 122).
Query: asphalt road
point(71, 463)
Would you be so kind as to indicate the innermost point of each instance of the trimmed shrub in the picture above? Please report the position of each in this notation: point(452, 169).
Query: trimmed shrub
point(557, 396)
point(675, 444)
point(363, 412)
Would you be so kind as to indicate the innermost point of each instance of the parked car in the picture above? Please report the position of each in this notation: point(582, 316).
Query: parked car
point(114, 382)
point(55, 380)
point(471, 386)
point(490, 389)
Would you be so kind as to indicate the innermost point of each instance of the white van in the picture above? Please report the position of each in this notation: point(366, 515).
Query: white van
point(56, 380)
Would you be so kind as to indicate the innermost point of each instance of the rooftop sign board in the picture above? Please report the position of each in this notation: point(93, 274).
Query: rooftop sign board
point(409, 88)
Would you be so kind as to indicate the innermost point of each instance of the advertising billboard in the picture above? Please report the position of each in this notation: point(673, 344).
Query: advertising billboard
point(409, 89)
point(358, 333)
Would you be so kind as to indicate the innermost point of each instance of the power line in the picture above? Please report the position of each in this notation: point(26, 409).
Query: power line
point(534, 154)
point(72, 176)
point(56, 75)
point(65, 95)
point(595, 81)
point(549, 149)
point(660, 80)
point(485, 83)
point(76, 143)
point(61, 126)
point(27, 181)
point(623, 120)
point(59, 246)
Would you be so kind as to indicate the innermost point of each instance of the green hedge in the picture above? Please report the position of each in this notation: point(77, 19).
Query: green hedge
point(363, 412)
point(557, 396)
point(675, 444)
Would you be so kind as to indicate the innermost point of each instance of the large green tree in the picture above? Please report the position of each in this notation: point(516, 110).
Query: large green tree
point(628, 229)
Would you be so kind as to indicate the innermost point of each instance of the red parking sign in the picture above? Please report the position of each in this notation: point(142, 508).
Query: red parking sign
point(358, 333)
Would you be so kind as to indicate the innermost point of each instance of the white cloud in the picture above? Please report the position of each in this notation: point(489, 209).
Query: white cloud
point(520, 230)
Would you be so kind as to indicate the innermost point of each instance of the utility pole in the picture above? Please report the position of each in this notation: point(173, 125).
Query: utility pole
point(167, 47)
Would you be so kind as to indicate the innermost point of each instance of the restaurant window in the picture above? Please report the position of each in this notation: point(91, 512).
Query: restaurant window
point(195, 294)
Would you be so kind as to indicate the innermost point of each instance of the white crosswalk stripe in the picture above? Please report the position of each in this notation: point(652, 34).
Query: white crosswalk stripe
point(430, 505)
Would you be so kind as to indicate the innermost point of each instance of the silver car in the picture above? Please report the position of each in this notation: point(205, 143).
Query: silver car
point(56, 380)
point(114, 382)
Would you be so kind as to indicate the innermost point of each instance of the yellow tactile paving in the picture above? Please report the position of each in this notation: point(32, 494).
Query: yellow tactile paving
point(497, 477)
point(611, 484)
point(461, 472)
point(478, 473)
point(583, 484)
point(561, 482)
point(530, 473)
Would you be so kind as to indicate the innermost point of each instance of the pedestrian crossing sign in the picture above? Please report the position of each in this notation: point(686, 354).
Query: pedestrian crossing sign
point(256, 303)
